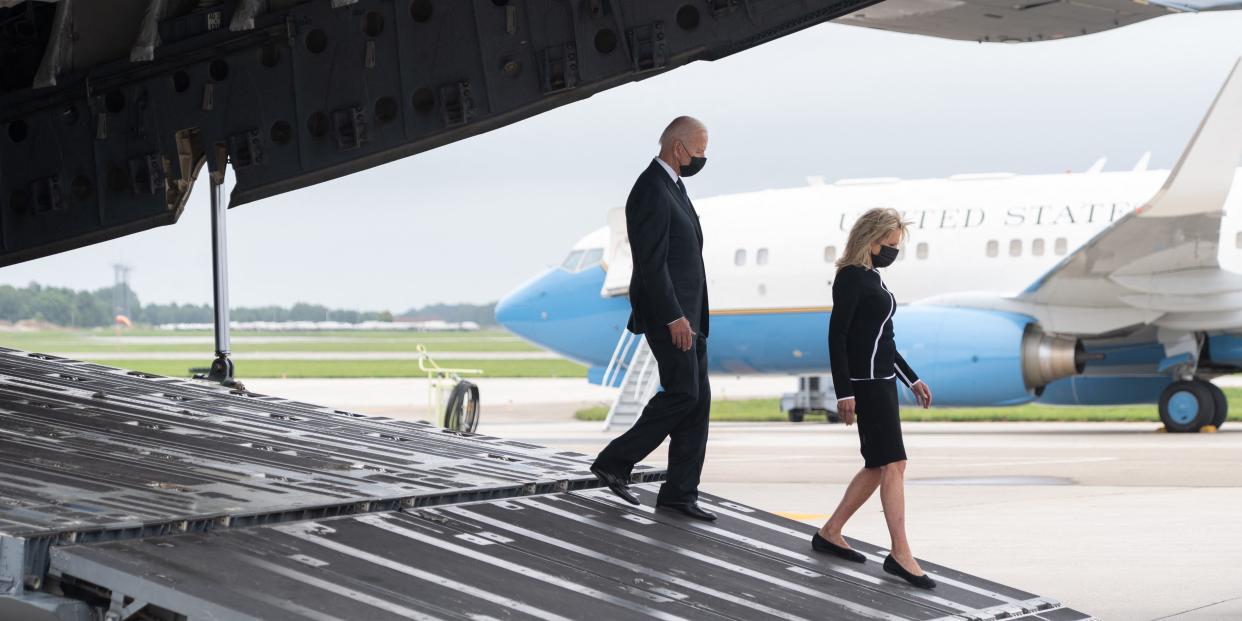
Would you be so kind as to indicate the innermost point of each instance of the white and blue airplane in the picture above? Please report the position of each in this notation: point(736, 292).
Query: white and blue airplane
point(1090, 288)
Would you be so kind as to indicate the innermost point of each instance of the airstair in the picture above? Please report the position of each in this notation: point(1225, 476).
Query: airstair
point(634, 366)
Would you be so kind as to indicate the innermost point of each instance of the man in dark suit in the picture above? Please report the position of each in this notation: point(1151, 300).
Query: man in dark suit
point(668, 297)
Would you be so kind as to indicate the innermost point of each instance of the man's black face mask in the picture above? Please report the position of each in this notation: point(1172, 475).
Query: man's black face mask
point(696, 164)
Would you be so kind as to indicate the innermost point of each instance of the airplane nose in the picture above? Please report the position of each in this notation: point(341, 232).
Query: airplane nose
point(519, 312)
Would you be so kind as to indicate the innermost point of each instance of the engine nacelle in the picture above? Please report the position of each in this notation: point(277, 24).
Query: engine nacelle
point(976, 357)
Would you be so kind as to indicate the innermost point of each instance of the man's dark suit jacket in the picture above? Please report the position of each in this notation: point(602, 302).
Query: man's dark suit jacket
point(666, 244)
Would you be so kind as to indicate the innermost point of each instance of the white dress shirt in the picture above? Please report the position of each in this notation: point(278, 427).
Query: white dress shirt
point(669, 169)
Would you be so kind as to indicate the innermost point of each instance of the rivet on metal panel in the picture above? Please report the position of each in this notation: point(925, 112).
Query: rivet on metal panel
point(594, 9)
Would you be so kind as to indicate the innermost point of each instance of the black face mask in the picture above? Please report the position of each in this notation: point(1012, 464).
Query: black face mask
point(885, 258)
point(696, 164)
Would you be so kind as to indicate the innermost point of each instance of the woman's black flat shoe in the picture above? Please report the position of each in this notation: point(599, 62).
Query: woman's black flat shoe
point(819, 544)
point(893, 567)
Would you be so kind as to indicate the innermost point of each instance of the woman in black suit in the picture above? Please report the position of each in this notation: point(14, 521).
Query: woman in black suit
point(865, 368)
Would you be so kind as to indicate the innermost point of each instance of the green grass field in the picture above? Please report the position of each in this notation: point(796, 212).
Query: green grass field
point(354, 368)
point(98, 346)
point(766, 410)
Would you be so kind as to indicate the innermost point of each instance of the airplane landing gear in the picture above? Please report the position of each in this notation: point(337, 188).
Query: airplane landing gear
point(1221, 405)
point(1190, 405)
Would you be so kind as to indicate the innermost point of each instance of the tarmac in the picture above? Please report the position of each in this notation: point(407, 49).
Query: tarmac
point(1114, 519)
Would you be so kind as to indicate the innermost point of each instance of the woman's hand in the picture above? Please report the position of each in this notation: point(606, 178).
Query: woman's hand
point(845, 407)
point(922, 393)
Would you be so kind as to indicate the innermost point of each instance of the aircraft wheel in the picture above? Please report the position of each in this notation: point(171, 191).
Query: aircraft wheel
point(796, 415)
point(1221, 404)
point(1186, 406)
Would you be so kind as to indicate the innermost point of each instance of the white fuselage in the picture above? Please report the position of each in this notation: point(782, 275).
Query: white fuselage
point(776, 249)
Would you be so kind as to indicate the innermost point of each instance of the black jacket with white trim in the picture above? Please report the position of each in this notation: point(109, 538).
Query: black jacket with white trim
point(860, 331)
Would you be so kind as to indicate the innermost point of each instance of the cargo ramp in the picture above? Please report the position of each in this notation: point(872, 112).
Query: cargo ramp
point(130, 496)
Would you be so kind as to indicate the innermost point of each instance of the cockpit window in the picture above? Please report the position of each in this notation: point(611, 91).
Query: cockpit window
point(571, 262)
point(579, 260)
point(593, 256)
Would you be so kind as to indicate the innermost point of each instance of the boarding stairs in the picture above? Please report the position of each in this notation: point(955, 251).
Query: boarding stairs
point(634, 366)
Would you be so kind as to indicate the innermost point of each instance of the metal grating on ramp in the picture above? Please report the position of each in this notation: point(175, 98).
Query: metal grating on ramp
point(86, 449)
point(574, 555)
point(147, 496)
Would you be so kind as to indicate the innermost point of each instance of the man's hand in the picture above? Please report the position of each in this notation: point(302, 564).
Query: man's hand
point(922, 393)
point(845, 408)
point(683, 334)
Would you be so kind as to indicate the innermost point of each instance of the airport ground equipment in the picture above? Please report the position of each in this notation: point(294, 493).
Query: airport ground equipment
point(815, 396)
point(126, 496)
point(634, 366)
point(460, 398)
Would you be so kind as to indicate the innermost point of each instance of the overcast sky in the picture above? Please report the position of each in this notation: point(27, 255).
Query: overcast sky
point(469, 221)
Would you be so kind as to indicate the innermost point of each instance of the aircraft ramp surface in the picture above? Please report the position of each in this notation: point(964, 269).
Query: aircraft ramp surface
point(145, 497)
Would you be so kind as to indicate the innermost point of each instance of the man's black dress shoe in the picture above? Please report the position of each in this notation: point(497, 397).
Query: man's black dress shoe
point(691, 509)
point(893, 567)
point(819, 544)
point(616, 484)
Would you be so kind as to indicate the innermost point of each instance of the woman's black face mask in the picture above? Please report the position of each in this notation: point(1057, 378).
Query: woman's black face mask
point(886, 256)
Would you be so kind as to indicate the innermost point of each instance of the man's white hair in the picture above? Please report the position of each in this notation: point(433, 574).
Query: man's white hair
point(682, 128)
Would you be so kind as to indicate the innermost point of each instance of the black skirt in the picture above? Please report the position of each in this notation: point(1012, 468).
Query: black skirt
point(879, 422)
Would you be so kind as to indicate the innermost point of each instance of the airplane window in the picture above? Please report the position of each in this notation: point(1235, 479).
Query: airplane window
point(1061, 245)
point(830, 253)
point(1237, 241)
point(921, 251)
point(1015, 247)
point(761, 257)
point(593, 256)
point(739, 257)
point(993, 248)
point(571, 261)
point(1037, 247)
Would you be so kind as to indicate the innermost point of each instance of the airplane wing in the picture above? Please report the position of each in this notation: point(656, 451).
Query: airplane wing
point(1161, 261)
point(1023, 20)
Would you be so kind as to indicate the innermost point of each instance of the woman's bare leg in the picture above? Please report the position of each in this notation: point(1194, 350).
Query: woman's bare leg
point(859, 490)
point(893, 497)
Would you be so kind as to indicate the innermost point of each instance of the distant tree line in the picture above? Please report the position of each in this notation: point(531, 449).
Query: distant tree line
point(87, 309)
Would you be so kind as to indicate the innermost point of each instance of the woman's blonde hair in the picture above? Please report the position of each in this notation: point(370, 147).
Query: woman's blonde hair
point(871, 227)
